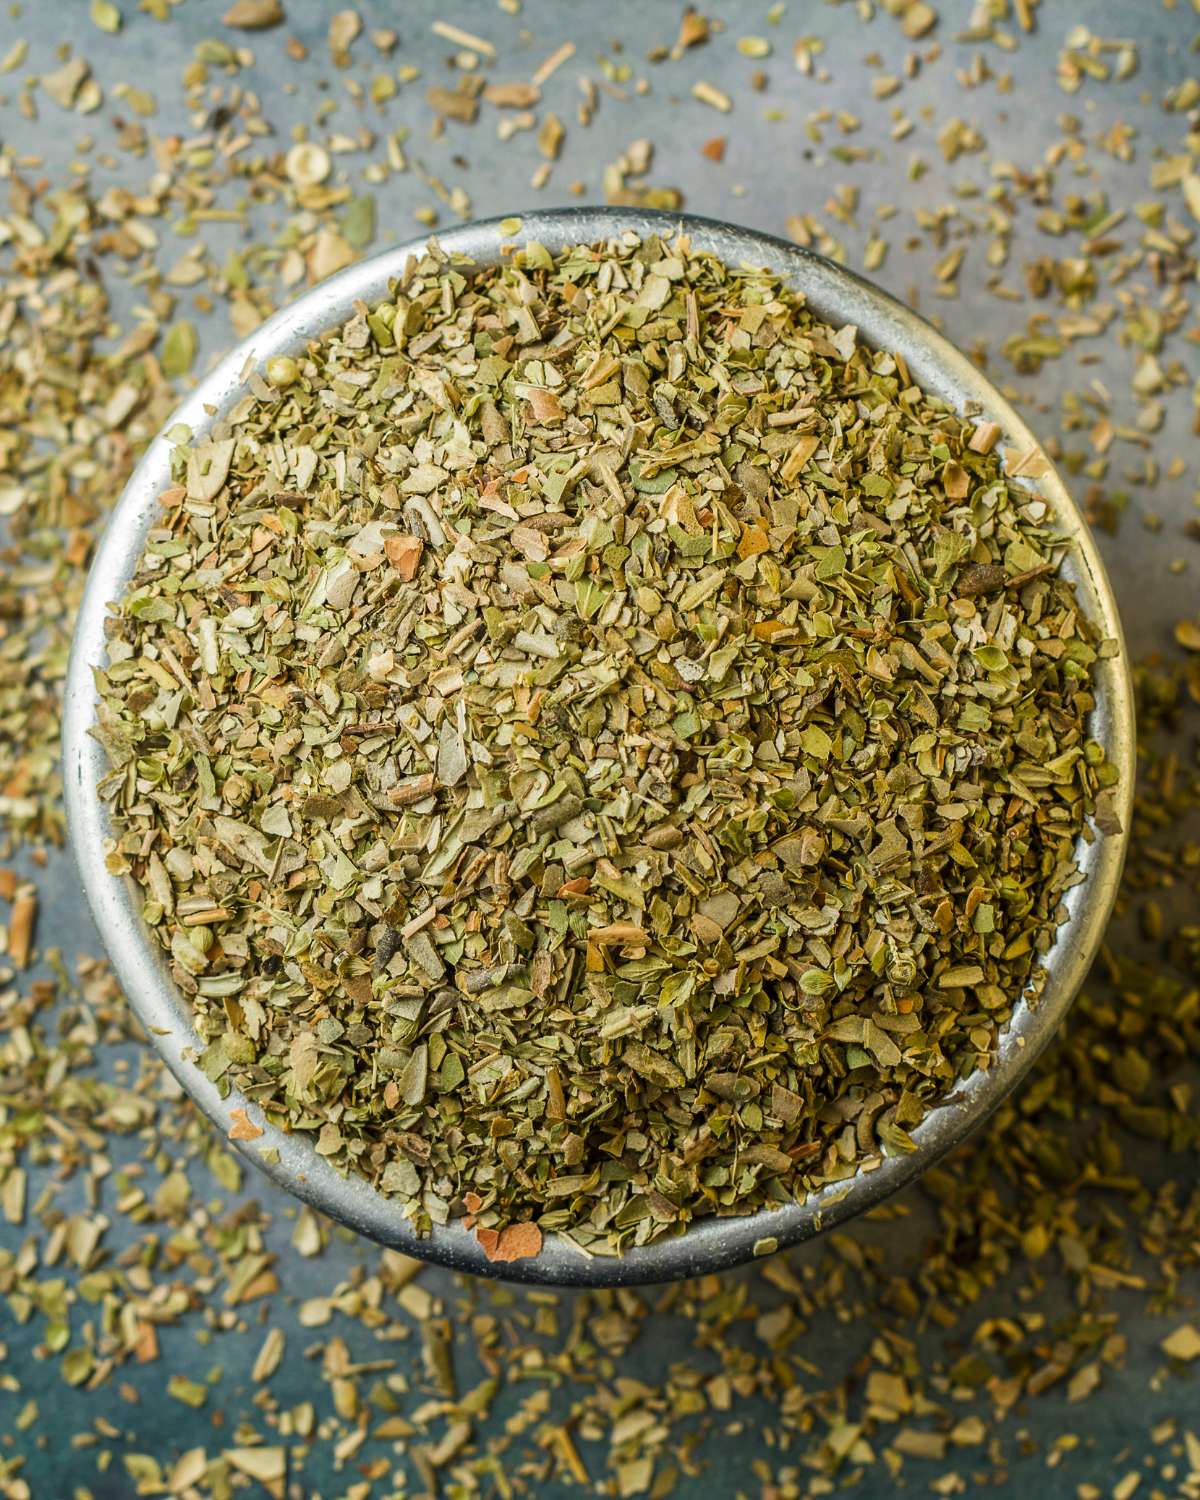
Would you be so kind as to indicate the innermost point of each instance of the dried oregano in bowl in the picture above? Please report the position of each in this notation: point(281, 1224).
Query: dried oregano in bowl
point(600, 748)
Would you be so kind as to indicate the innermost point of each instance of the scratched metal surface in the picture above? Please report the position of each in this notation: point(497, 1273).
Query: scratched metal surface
point(772, 169)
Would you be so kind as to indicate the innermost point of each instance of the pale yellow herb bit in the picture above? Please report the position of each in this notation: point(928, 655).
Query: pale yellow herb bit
point(461, 38)
point(141, 101)
point(15, 55)
point(190, 1468)
point(270, 1355)
point(1191, 194)
point(715, 98)
point(105, 15)
point(267, 1465)
point(307, 164)
point(916, 19)
point(804, 50)
point(12, 1194)
point(1183, 1344)
point(254, 15)
point(555, 61)
point(65, 83)
point(550, 137)
point(207, 469)
point(282, 371)
point(191, 1392)
point(693, 29)
point(344, 28)
point(330, 252)
point(1187, 634)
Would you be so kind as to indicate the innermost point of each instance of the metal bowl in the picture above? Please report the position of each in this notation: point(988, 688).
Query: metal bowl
point(711, 1244)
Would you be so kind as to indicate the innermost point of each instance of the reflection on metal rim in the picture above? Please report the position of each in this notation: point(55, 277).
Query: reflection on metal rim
point(713, 1244)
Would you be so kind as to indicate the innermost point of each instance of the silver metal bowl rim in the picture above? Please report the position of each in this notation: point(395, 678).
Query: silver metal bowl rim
point(711, 1244)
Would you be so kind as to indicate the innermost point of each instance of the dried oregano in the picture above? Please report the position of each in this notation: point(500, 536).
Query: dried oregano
point(599, 746)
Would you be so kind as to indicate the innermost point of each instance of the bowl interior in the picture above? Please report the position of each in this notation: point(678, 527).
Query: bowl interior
point(839, 297)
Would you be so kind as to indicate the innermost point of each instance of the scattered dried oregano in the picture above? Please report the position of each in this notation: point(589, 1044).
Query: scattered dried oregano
point(599, 746)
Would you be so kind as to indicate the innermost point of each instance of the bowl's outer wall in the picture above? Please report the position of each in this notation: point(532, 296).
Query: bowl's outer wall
point(839, 297)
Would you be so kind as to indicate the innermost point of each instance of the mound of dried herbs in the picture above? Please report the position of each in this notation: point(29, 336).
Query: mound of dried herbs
point(600, 747)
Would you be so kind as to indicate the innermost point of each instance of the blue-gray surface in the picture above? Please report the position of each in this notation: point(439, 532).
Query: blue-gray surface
point(785, 157)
